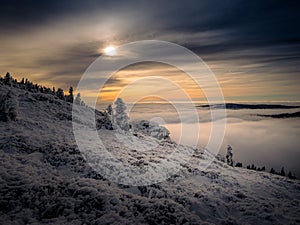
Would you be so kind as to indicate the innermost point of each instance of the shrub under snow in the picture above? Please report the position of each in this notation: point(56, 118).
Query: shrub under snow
point(152, 128)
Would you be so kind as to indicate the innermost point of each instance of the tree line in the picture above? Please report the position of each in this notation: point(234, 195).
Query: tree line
point(27, 85)
point(230, 162)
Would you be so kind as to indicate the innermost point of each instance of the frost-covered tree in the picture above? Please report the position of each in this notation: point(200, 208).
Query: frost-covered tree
point(120, 118)
point(229, 156)
point(78, 99)
point(105, 119)
point(151, 128)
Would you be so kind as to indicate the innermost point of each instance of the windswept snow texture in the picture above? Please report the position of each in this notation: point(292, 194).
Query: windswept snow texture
point(45, 180)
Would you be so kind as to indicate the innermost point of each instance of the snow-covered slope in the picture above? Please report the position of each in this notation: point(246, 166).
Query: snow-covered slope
point(45, 179)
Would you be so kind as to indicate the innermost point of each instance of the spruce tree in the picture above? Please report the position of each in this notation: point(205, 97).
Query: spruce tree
point(70, 97)
point(282, 172)
point(60, 94)
point(272, 171)
point(78, 99)
point(7, 79)
point(120, 117)
point(109, 109)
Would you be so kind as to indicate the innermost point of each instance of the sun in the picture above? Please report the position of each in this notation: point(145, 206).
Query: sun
point(110, 50)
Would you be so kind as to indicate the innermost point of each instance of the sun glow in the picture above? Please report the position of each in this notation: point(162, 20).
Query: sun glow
point(110, 50)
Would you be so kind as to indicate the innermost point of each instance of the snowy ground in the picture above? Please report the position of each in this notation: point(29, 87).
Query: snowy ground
point(45, 179)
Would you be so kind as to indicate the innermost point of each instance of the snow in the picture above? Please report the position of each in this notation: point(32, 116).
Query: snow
point(45, 179)
point(152, 129)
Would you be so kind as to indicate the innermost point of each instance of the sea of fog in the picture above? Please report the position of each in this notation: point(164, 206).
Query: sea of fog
point(263, 141)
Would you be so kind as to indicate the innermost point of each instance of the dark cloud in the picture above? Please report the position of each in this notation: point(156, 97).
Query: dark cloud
point(248, 22)
point(18, 13)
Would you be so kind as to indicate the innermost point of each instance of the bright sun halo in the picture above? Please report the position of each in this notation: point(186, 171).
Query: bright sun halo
point(110, 50)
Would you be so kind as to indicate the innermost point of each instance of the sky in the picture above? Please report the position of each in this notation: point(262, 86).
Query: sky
point(253, 47)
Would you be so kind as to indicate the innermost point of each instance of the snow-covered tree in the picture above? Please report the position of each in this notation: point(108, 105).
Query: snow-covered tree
point(151, 128)
point(120, 118)
point(78, 99)
point(229, 156)
point(104, 121)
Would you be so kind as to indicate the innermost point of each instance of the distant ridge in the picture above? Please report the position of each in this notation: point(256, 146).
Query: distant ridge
point(282, 115)
point(236, 106)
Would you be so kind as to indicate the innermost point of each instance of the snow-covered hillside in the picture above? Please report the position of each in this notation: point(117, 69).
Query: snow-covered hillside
point(45, 178)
